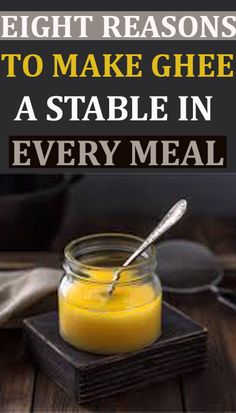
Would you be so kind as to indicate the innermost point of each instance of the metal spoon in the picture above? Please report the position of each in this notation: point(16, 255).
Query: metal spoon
point(171, 217)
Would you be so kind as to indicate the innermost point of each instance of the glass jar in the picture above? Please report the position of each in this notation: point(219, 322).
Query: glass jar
point(92, 320)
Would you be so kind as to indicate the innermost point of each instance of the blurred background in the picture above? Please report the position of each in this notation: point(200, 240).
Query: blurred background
point(42, 212)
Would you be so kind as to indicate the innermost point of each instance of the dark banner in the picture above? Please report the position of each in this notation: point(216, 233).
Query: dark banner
point(102, 74)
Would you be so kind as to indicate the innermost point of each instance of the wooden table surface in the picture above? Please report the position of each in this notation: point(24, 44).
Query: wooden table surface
point(24, 389)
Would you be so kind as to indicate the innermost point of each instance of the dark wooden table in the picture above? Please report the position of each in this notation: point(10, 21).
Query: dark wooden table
point(24, 389)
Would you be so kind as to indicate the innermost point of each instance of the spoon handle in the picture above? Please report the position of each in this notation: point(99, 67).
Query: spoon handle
point(170, 218)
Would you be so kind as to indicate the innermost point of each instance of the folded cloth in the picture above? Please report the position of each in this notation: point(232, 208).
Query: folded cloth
point(22, 290)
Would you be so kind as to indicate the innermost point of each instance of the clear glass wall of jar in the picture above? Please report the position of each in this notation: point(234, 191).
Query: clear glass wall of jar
point(93, 321)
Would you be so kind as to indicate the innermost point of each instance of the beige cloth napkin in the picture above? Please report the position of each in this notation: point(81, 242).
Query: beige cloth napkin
point(23, 293)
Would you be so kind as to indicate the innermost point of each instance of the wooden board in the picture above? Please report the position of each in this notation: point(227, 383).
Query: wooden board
point(181, 348)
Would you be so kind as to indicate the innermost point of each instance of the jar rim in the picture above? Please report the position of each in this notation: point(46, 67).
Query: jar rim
point(73, 260)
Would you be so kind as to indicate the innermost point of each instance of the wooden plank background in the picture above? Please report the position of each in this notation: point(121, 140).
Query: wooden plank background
point(24, 390)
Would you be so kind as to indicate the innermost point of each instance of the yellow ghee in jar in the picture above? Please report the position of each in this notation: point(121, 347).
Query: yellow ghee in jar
point(92, 321)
